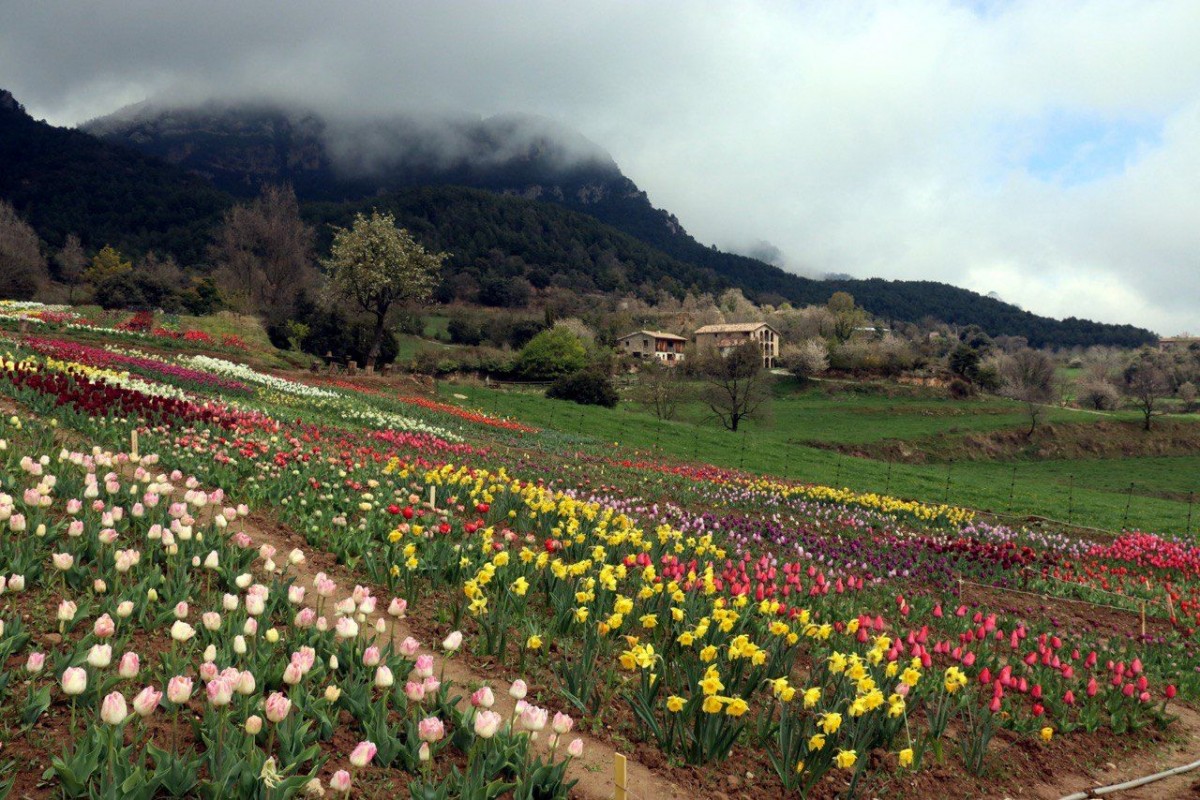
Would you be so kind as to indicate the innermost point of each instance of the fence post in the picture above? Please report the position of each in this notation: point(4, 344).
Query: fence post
point(888, 488)
point(837, 478)
point(742, 457)
point(946, 495)
point(1012, 488)
point(1128, 502)
point(1071, 502)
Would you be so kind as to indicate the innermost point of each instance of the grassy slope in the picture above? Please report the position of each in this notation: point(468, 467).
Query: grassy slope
point(1097, 495)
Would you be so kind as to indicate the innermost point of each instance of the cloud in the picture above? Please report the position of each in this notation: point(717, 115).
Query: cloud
point(1047, 151)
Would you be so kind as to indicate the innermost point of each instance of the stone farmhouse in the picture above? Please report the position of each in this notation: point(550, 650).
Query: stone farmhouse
point(727, 337)
point(666, 347)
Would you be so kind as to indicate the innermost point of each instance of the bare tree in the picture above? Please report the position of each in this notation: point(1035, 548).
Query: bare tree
point(22, 266)
point(264, 252)
point(660, 390)
point(1028, 376)
point(1098, 394)
point(1146, 383)
point(162, 270)
point(1187, 394)
point(737, 387)
point(71, 261)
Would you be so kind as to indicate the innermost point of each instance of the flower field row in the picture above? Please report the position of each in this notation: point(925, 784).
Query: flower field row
point(810, 630)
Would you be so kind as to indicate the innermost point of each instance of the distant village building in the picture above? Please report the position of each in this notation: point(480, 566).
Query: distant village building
point(725, 338)
point(666, 347)
point(1178, 342)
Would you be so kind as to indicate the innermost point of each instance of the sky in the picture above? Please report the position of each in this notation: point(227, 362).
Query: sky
point(1048, 151)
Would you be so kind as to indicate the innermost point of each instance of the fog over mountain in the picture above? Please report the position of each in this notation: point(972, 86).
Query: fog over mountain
point(1046, 150)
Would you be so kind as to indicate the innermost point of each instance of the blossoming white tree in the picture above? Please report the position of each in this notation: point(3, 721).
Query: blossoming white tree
point(377, 267)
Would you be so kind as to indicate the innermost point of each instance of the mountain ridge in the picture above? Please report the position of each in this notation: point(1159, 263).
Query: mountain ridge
point(141, 189)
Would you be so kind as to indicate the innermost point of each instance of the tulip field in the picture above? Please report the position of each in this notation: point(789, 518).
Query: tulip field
point(220, 581)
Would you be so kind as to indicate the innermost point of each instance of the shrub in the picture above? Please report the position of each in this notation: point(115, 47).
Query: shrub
point(464, 330)
point(586, 387)
point(960, 389)
point(552, 354)
point(443, 361)
point(135, 291)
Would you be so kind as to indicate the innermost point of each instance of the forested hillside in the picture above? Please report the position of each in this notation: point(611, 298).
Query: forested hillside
point(64, 181)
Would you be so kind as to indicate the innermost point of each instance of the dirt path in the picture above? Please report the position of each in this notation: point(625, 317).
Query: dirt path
point(1184, 750)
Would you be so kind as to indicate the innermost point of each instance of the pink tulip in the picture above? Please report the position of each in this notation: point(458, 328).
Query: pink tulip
point(104, 627)
point(431, 729)
point(340, 782)
point(113, 710)
point(414, 691)
point(487, 723)
point(409, 647)
point(575, 748)
point(483, 697)
point(179, 689)
point(129, 666)
point(292, 674)
point(371, 656)
point(74, 681)
point(346, 628)
point(244, 684)
point(534, 718)
point(100, 656)
point(220, 692)
point(147, 701)
point(518, 690)
point(562, 723)
point(277, 707)
point(363, 753)
point(424, 666)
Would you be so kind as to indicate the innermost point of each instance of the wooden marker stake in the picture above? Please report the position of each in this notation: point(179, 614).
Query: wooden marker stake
point(133, 444)
point(619, 777)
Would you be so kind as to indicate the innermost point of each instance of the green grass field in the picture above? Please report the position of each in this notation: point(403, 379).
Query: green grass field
point(1085, 492)
point(813, 414)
